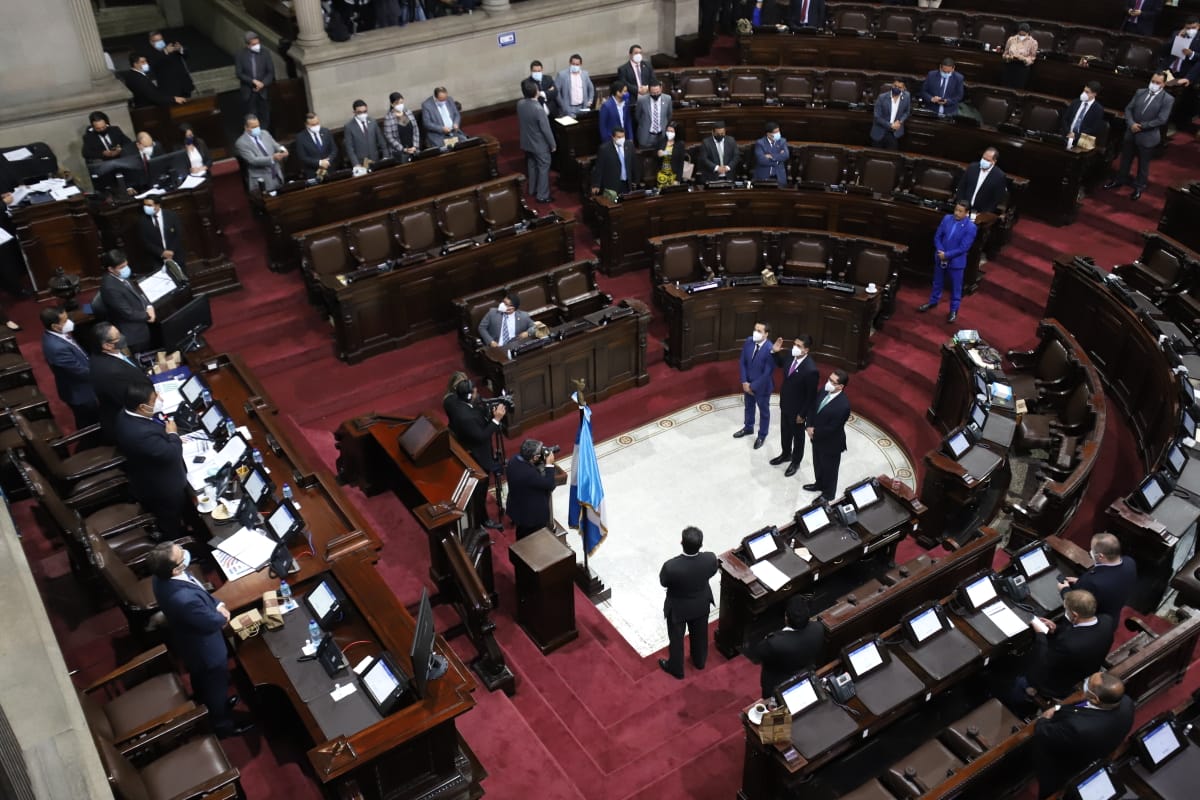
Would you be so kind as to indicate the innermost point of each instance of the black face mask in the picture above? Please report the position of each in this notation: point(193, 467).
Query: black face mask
point(718, 139)
point(121, 343)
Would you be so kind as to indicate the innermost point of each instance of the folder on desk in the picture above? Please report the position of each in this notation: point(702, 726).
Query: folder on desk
point(250, 547)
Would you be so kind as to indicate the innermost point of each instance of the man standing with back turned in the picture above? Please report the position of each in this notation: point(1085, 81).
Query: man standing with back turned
point(688, 599)
point(757, 367)
point(537, 140)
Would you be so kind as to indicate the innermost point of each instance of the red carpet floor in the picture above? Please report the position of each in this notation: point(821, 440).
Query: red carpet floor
point(592, 720)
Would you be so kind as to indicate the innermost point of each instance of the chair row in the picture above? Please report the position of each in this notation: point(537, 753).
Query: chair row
point(558, 295)
point(415, 231)
point(1168, 272)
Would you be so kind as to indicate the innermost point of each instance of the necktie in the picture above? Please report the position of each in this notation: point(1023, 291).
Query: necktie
point(1178, 63)
point(107, 143)
point(824, 402)
point(945, 80)
point(363, 125)
point(621, 157)
point(654, 118)
point(1149, 100)
point(1138, 5)
point(804, 12)
point(162, 234)
point(504, 334)
point(274, 164)
point(1079, 115)
point(145, 164)
point(253, 65)
point(720, 152)
point(795, 363)
point(317, 142)
point(754, 355)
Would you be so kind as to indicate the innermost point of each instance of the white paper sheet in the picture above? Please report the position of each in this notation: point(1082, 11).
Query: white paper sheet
point(5, 236)
point(248, 546)
point(769, 575)
point(1004, 618)
point(157, 285)
point(150, 193)
point(565, 120)
point(20, 154)
point(192, 181)
point(64, 193)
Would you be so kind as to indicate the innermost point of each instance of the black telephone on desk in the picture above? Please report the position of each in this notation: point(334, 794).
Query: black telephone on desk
point(841, 687)
point(1015, 587)
point(846, 514)
point(186, 419)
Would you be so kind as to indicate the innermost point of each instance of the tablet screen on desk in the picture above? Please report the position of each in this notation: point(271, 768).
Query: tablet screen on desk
point(925, 624)
point(1097, 786)
point(978, 416)
point(322, 601)
point(864, 659)
point(799, 696)
point(282, 521)
point(212, 419)
point(864, 495)
point(958, 444)
point(1189, 423)
point(192, 388)
point(1150, 493)
point(981, 592)
point(763, 546)
point(1160, 743)
point(233, 451)
point(815, 520)
point(256, 486)
point(1176, 459)
point(1034, 562)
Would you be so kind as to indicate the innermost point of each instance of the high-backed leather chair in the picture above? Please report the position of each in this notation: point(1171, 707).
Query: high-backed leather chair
point(880, 173)
point(870, 265)
point(14, 371)
point(326, 253)
point(80, 478)
point(981, 730)
point(680, 260)
point(1040, 430)
point(993, 109)
point(1158, 270)
point(1047, 35)
point(795, 88)
point(459, 218)
point(1041, 116)
point(476, 309)
point(134, 594)
point(856, 18)
point(934, 180)
point(417, 231)
point(922, 770)
point(370, 241)
point(1136, 55)
point(903, 23)
point(821, 165)
point(806, 256)
point(575, 289)
point(842, 88)
point(701, 88)
point(198, 768)
point(502, 206)
point(944, 26)
point(992, 31)
point(1051, 369)
point(1187, 582)
point(747, 85)
point(741, 254)
point(535, 300)
point(1087, 43)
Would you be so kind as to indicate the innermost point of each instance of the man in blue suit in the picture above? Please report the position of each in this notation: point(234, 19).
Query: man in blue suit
point(1140, 16)
point(943, 89)
point(827, 432)
point(891, 112)
point(616, 113)
point(153, 458)
point(70, 365)
point(1111, 578)
point(757, 367)
point(196, 621)
point(771, 156)
point(952, 242)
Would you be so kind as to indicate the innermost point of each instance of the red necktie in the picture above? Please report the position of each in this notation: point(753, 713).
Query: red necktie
point(804, 11)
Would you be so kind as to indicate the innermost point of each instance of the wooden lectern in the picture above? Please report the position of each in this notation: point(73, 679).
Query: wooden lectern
point(545, 569)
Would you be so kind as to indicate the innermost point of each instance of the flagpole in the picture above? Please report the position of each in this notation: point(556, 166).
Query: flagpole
point(582, 403)
point(585, 579)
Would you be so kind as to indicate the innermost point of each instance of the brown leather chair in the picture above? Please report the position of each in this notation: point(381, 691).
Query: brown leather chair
point(703, 88)
point(370, 241)
point(741, 254)
point(747, 85)
point(134, 594)
point(1137, 55)
point(981, 730)
point(1049, 368)
point(459, 217)
point(1040, 430)
point(133, 715)
point(326, 253)
point(476, 309)
point(1187, 582)
point(944, 26)
point(1047, 36)
point(843, 88)
point(993, 32)
point(536, 301)
point(79, 479)
point(871, 265)
point(417, 231)
point(1087, 43)
point(502, 206)
point(795, 88)
point(807, 256)
point(1157, 271)
point(196, 769)
point(1039, 116)
point(822, 166)
point(575, 288)
point(872, 790)
point(901, 23)
point(857, 18)
point(680, 260)
point(994, 109)
point(922, 770)
point(15, 371)
point(934, 180)
point(880, 173)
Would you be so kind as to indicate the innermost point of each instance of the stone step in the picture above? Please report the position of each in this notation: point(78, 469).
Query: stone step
point(125, 20)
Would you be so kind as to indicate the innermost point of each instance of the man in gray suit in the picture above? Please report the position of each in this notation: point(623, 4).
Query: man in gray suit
point(262, 155)
point(440, 118)
point(891, 112)
point(537, 140)
point(362, 138)
point(1145, 117)
point(575, 90)
point(504, 323)
point(653, 113)
point(255, 72)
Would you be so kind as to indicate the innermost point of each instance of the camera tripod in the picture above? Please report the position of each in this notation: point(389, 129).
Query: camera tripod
point(498, 458)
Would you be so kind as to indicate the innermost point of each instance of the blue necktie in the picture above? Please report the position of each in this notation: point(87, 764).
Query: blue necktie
point(621, 156)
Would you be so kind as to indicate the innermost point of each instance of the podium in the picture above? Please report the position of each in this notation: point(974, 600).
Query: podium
point(545, 570)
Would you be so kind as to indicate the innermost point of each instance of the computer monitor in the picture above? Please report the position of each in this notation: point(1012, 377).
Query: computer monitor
point(385, 683)
point(958, 444)
point(1096, 785)
point(1158, 744)
point(284, 522)
point(192, 390)
point(1033, 562)
point(324, 603)
point(1000, 393)
point(212, 419)
point(865, 494)
point(1187, 421)
point(815, 520)
point(427, 665)
point(1149, 494)
point(762, 544)
point(924, 624)
point(979, 416)
point(257, 486)
point(1176, 459)
point(797, 693)
point(863, 659)
point(181, 330)
point(979, 591)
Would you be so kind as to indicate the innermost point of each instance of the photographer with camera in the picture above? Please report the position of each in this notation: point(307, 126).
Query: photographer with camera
point(530, 483)
point(476, 427)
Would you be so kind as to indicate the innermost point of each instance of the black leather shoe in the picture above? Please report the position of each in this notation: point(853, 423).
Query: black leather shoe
point(810, 487)
point(953, 315)
point(743, 432)
point(925, 307)
point(232, 701)
point(697, 666)
point(1136, 195)
point(662, 664)
point(791, 470)
point(1111, 184)
point(758, 443)
point(777, 460)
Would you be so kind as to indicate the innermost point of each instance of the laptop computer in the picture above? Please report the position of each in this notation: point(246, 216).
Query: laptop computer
point(932, 641)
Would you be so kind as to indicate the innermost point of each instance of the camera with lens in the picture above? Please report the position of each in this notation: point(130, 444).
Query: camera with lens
point(505, 399)
point(549, 451)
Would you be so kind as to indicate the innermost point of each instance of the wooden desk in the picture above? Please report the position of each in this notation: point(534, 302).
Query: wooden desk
point(208, 268)
point(1181, 214)
point(292, 210)
point(59, 234)
point(710, 326)
point(608, 358)
point(392, 309)
point(416, 751)
point(1084, 12)
point(337, 528)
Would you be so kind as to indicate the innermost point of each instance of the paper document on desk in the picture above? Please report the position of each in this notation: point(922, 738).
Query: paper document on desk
point(565, 120)
point(250, 547)
point(1005, 619)
point(192, 181)
point(230, 566)
point(157, 285)
point(63, 194)
point(150, 193)
point(5, 236)
point(20, 154)
point(769, 575)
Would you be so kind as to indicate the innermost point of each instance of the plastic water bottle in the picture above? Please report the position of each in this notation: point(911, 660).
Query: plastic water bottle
point(314, 632)
point(287, 492)
point(285, 592)
point(257, 455)
point(206, 396)
point(230, 427)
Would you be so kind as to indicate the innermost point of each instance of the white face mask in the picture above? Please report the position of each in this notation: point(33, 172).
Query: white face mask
point(758, 336)
point(160, 45)
point(315, 128)
point(158, 405)
point(637, 59)
point(145, 69)
point(398, 108)
point(1083, 97)
point(502, 308)
point(575, 69)
point(829, 387)
point(256, 48)
point(1189, 33)
point(362, 117)
point(148, 151)
point(619, 141)
point(670, 135)
point(1155, 88)
point(148, 211)
point(796, 352)
point(1022, 35)
point(68, 326)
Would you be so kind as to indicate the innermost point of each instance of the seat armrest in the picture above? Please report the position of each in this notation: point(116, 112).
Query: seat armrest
point(161, 730)
point(211, 785)
point(1022, 359)
point(137, 662)
point(76, 436)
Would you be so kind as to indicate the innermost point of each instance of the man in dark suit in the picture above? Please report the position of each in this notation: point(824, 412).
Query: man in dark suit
point(756, 367)
point(153, 458)
point(797, 399)
point(169, 67)
point(688, 599)
point(1111, 578)
point(1181, 55)
point(1146, 118)
point(785, 652)
point(1069, 737)
point(771, 156)
point(654, 110)
point(951, 243)
point(502, 324)
point(616, 113)
point(196, 621)
point(474, 428)
point(104, 142)
point(124, 303)
point(537, 140)
point(547, 91)
point(255, 73)
point(161, 233)
point(315, 147)
point(718, 157)
point(530, 476)
point(618, 168)
point(146, 91)
point(827, 431)
point(362, 138)
point(1062, 655)
point(943, 89)
point(70, 365)
point(806, 13)
point(112, 373)
point(1084, 115)
point(891, 112)
point(1140, 16)
point(636, 73)
point(983, 185)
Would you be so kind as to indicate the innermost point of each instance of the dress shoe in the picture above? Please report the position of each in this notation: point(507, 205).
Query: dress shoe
point(743, 432)
point(758, 443)
point(662, 664)
point(12, 326)
point(925, 307)
point(791, 470)
point(1136, 194)
point(232, 701)
point(1111, 184)
point(810, 487)
point(777, 460)
point(953, 315)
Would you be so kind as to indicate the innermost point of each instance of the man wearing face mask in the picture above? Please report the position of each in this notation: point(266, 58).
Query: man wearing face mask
point(1063, 654)
point(537, 141)
point(124, 302)
point(1140, 16)
point(797, 400)
point(547, 96)
point(576, 93)
point(1111, 578)
point(196, 622)
point(983, 185)
point(943, 89)
point(255, 72)
point(827, 432)
point(636, 73)
point(505, 323)
point(153, 458)
point(1146, 117)
point(161, 233)
point(262, 155)
point(719, 156)
point(653, 113)
point(951, 243)
point(1085, 115)
point(1182, 58)
point(1067, 738)
point(891, 112)
point(315, 147)
point(616, 113)
point(771, 156)
point(362, 137)
point(169, 67)
point(146, 92)
point(617, 169)
point(756, 366)
point(400, 130)
point(112, 373)
point(442, 118)
point(71, 366)
point(103, 142)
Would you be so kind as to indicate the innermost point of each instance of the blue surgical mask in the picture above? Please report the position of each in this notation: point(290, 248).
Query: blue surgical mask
point(187, 560)
point(161, 44)
point(256, 132)
point(145, 68)
point(575, 68)
point(148, 211)
point(774, 136)
point(125, 272)
point(984, 164)
point(189, 139)
point(537, 76)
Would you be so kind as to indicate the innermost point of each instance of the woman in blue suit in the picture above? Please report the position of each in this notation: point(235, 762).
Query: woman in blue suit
point(953, 241)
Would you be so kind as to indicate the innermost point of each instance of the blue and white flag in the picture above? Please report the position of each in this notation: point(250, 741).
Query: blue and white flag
point(585, 511)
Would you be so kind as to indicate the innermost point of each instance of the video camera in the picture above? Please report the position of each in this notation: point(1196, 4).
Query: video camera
point(505, 399)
